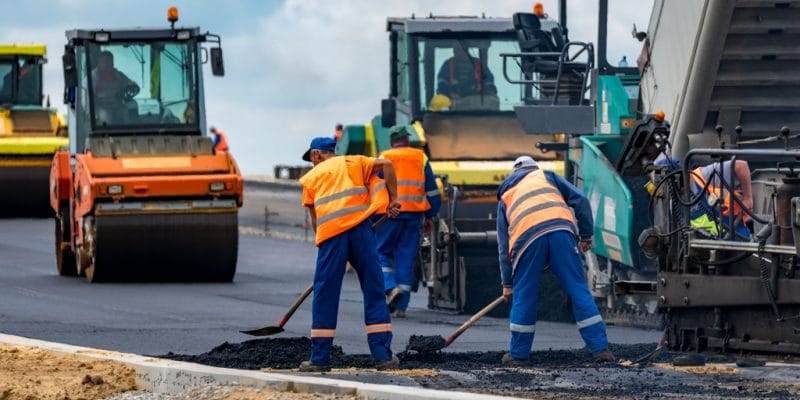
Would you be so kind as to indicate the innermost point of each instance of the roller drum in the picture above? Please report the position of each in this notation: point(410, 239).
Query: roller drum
point(165, 247)
point(25, 192)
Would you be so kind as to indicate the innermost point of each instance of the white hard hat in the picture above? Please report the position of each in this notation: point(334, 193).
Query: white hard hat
point(524, 162)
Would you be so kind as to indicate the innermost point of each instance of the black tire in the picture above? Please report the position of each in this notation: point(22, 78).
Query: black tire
point(65, 258)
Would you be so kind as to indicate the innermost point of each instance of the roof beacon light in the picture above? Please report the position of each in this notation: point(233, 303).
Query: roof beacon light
point(172, 14)
point(659, 117)
point(538, 9)
point(101, 36)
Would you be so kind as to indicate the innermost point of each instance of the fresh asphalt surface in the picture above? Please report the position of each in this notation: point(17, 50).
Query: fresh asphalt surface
point(193, 318)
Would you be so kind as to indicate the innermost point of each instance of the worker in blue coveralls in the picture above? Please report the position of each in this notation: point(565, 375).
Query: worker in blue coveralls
point(535, 228)
point(341, 194)
point(398, 238)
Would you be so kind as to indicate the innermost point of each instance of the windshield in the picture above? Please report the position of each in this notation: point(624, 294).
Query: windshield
point(465, 74)
point(21, 80)
point(148, 84)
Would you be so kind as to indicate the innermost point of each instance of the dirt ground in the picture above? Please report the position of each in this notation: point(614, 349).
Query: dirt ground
point(33, 374)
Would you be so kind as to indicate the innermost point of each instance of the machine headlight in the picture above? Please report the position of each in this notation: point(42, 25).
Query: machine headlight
point(217, 186)
point(102, 36)
point(183, 35)
point(114, 189)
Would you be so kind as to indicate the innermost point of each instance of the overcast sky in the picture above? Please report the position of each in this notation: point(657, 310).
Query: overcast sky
point(294, 68)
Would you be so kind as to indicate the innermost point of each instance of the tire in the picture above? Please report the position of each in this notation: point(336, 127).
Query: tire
point(65, 258)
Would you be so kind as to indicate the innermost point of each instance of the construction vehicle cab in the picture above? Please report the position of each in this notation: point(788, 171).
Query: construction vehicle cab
point(142, 194)
point(30, 131)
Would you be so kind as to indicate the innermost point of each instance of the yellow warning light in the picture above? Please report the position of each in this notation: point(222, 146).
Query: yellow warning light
point(172, 14)
point(538, 9)
point(659, 117)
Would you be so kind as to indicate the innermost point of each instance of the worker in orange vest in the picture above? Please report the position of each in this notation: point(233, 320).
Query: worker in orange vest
point(398, 239)
point(536, 227)
point(220, 142)
point(341, 193)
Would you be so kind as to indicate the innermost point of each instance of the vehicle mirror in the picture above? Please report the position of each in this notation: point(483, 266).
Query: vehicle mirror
point(70, 74)
point(388, 113)
point(217, 65)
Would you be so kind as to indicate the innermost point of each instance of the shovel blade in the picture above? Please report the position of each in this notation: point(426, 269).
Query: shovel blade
point(265, 331)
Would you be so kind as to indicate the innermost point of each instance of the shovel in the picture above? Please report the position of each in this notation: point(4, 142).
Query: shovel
point(427, 344)
point(272, 330)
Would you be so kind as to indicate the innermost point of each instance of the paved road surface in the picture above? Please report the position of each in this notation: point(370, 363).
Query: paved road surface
point(193, 318)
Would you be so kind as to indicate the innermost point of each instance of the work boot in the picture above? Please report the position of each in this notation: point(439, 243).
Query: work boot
point(392, 363)
point(399, 314)
point(308, 366)
point(603, 356)
point(392, 297)
point(509, 361)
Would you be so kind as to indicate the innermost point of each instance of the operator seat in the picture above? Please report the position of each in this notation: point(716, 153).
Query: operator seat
point(533, 39)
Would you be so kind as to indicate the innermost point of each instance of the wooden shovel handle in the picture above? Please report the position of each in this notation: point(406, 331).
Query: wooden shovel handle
point(296, 305)
point(474, 319)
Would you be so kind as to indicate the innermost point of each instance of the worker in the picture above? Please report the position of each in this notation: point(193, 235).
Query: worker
point(112, 89)
point(220, 141)
point(708, 214)
point(338, 134)
point(398, 238)
point(462, 76)
point(341, 193)
point(535, 228)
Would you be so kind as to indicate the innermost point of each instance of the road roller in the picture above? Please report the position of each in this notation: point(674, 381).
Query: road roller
point(142, 194)
point(30, 132)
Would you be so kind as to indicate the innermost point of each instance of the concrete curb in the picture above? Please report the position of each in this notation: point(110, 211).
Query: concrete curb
point(172, 377)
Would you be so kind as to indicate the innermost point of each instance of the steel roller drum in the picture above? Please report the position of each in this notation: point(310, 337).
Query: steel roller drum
point(24, 191)
point(166, 247)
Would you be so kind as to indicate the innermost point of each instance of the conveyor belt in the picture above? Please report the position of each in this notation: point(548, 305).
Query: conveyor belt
point(200, 245)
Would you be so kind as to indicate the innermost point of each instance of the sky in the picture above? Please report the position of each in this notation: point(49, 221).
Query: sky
point(294, 68)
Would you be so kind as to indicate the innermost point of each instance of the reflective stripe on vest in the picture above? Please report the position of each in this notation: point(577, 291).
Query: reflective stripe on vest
point(342, 197)
point(532, 201)
point(409, 165)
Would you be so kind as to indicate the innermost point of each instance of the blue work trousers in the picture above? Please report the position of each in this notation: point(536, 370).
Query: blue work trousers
point(559, 250)
point(357, 246)
point(398, 242)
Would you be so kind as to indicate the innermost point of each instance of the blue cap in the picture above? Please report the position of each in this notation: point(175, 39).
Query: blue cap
point(320, 143)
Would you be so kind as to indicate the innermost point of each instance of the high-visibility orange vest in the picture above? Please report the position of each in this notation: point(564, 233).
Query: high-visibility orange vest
point(532, 201)
point(720, 193)
point(222, 143)
point(343, 196)
point(409, 165)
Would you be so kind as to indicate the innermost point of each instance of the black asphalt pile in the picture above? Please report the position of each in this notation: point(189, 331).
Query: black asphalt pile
point(425, 344)
point(285, 353)
point(552, 374)
point(279, 353)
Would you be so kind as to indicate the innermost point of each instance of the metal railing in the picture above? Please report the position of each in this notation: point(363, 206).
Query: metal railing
point(563, 57)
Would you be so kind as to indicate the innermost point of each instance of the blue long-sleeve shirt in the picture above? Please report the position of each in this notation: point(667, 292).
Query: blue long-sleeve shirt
point(572, 196)
point(431, 193)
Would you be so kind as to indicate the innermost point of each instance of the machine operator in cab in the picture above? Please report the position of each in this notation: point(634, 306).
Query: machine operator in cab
point(341, 193)
point(398, 238)
point(535, 228)
point(112, 89)
point(463, 75)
